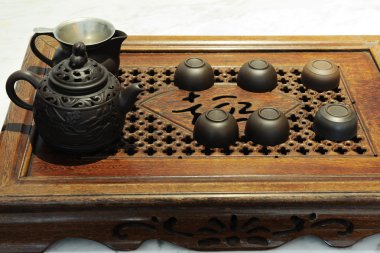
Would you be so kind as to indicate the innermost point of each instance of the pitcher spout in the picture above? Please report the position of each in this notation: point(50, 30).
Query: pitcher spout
point(129, 95)
point(108, 53)
point(119, 37)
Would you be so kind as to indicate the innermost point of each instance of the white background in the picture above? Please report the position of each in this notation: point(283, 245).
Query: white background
point(187, 17)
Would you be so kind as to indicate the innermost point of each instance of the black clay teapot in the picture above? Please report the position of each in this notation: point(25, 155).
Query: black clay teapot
point(79, 107)
point(103, 42)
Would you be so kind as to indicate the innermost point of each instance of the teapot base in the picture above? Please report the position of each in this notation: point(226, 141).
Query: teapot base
point(82, 150)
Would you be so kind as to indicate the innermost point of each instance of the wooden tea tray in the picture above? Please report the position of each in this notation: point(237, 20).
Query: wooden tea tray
point(158, 183)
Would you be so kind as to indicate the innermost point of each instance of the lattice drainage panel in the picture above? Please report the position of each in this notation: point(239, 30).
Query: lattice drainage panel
point(147, 133)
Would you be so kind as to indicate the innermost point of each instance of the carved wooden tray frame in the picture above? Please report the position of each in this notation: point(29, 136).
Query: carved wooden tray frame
point(202, 203)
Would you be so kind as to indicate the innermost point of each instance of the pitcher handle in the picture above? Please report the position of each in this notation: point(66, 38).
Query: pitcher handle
point(38, 32)
point(10, 87)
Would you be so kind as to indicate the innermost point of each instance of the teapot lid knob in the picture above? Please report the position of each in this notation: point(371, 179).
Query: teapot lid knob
point(78, 74)
point(79, 56)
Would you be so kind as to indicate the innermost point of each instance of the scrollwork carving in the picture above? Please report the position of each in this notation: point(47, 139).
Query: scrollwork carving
point(217, 232)
point(59, 100)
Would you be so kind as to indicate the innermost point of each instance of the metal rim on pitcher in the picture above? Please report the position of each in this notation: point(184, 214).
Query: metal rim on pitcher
point(106, 24)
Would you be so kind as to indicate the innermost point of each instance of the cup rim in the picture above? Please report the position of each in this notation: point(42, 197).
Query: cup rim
point(81, 19)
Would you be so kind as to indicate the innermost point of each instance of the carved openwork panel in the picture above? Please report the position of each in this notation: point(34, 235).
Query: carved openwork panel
point(232, 231)
point(164, 117)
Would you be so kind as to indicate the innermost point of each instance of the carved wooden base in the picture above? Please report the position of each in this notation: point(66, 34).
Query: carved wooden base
point(158, 183)
point(199, 228)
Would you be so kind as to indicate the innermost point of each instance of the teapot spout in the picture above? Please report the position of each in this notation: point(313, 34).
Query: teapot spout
point(128, 96)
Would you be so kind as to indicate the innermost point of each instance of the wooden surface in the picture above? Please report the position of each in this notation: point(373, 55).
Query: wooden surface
point(204, 200)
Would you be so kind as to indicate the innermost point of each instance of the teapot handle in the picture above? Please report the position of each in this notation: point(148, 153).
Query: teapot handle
point(39, 32)
point(10, 87)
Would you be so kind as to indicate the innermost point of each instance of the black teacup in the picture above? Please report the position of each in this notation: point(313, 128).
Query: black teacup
point(257, 76)
point(267, 126)
point(320, 75)
point(216, 129)
point(336, 122)
point(194, 74)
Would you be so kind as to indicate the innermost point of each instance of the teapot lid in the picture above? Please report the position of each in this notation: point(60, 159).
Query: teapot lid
point(78, 74)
